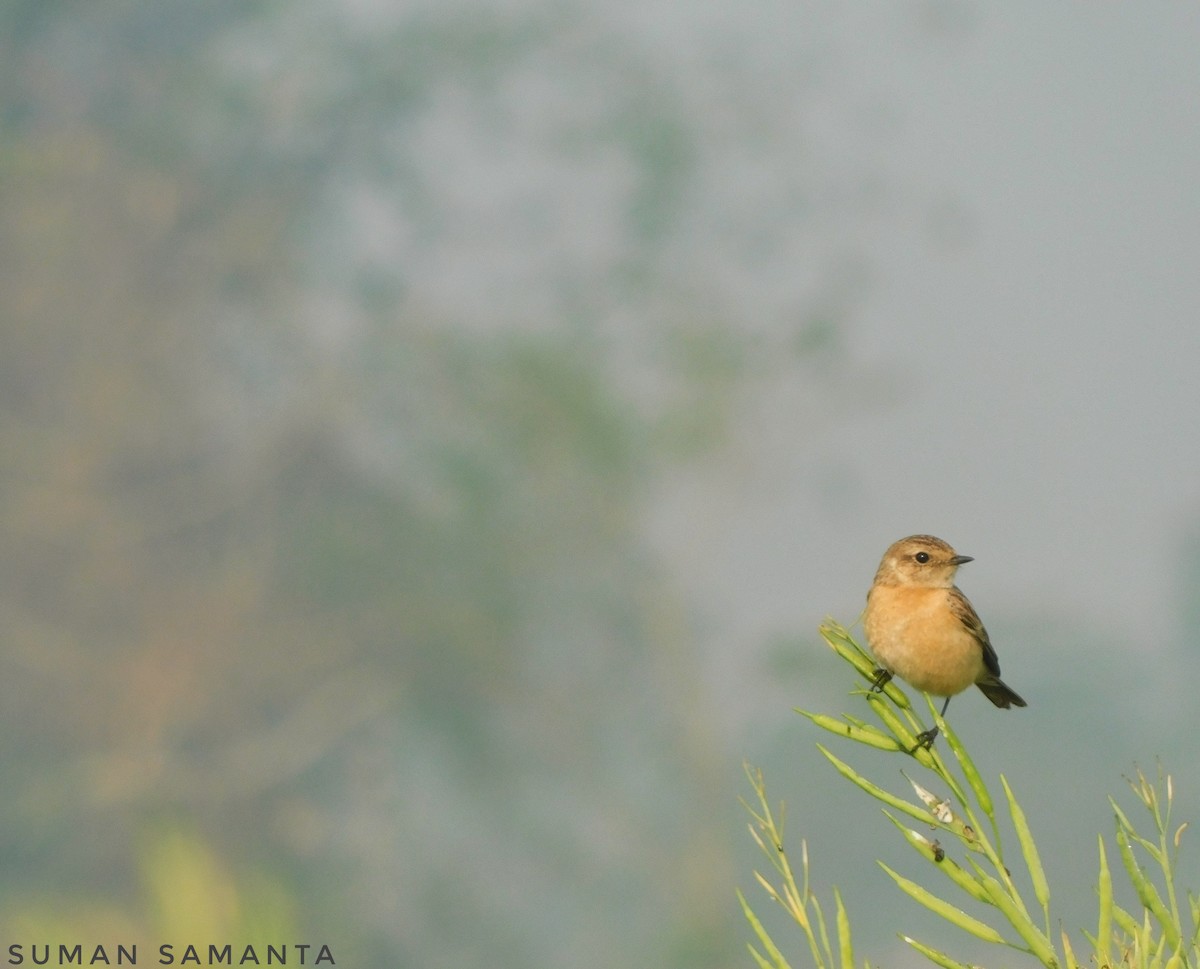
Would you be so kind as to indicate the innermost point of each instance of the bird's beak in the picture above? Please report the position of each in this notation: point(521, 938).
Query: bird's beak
point(961, 559)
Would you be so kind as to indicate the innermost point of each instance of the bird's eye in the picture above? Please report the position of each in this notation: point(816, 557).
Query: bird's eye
point(922, 557)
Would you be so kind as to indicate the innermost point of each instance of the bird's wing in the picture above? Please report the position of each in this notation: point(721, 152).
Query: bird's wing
point(965, 614)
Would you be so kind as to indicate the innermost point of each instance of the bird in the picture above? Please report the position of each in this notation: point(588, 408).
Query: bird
point(920, 627)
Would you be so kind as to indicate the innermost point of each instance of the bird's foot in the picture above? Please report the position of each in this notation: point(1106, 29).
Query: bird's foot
point(880, 679)
point(925, 739)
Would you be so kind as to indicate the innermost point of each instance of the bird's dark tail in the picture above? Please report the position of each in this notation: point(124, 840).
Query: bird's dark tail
point(996, 690)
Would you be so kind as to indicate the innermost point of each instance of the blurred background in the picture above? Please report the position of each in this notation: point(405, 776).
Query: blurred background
point(433, 432)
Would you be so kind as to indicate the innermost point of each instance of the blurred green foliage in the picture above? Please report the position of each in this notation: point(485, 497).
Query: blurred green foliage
point(301, 551)
point(184, 895)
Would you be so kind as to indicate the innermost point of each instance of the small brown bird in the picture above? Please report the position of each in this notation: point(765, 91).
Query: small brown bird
point(922, 628)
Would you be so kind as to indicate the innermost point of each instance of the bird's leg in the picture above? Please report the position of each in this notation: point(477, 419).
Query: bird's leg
point(880, 679)
point(926, 737)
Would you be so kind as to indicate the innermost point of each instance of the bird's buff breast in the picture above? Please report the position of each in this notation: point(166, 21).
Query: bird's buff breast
point(913, 633)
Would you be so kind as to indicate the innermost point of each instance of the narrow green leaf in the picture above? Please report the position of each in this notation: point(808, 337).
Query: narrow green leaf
point(982, 795)
point(1159, 952)
point(1041, 889)
point(1038, 944)
point(1069, 952)
point(1131, 831)
point(827, 960)
point(1104, 931)
point(942, 908)
point(879, 793)
point(840, 641)
point(845, 945)
point(925, 848)
point(1148, 933)
point(934, 956)
point(947, 865)
point(871, 736)
point(926, 757)
point(771, 891)
point(904, 737)
point(938, 766)
point(777, 960)
point(762, 963)
point(1121, 818)
point(1146, 892)
point(1126, 921)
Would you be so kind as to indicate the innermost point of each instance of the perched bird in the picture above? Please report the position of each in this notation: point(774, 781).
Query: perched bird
point(921, 628)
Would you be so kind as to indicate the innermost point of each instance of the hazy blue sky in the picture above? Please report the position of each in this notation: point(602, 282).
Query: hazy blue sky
point(1027, 347)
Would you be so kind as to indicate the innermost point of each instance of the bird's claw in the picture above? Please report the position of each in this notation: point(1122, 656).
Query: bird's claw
point(925, 739)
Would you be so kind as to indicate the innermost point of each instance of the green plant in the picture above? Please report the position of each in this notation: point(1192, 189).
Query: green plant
point(1164, 935)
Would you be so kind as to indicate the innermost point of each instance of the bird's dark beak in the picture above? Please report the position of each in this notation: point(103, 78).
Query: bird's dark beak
point(961, 560)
